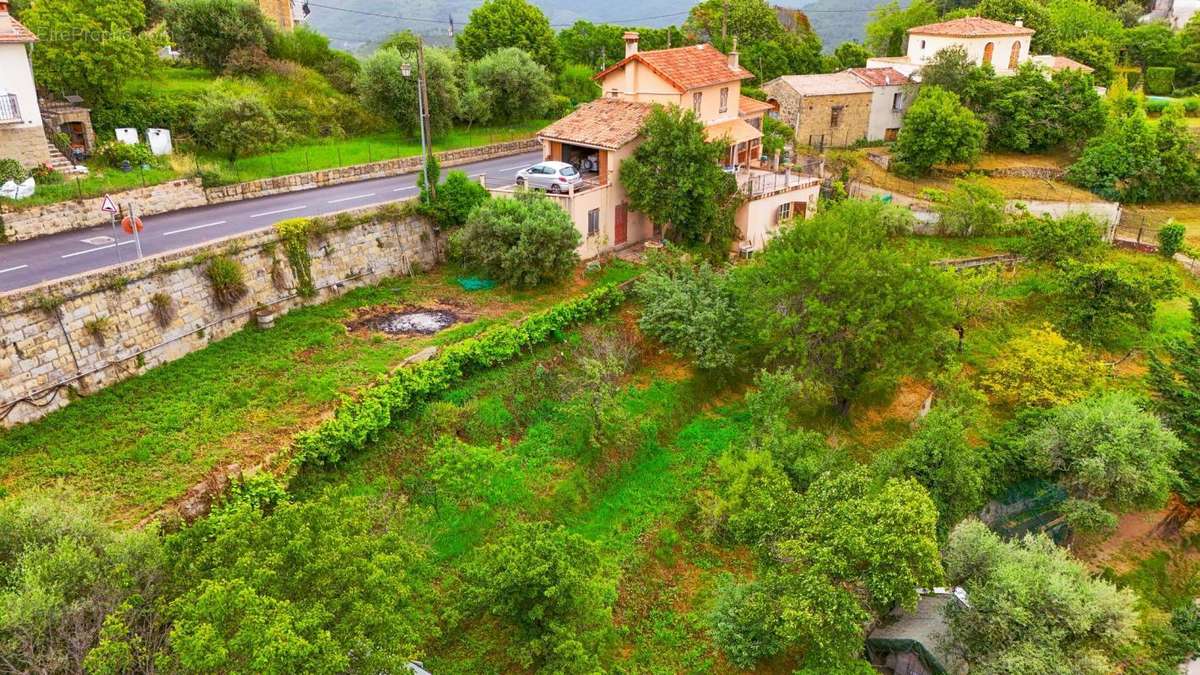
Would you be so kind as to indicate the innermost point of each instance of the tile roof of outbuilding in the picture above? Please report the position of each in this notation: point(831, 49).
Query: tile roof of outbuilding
point(608, 123)
point(971, 26)
point(879, 77)
point(826, 84)
point(686, 68)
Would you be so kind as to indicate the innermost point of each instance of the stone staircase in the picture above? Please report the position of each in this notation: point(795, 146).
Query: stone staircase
point(58, 160)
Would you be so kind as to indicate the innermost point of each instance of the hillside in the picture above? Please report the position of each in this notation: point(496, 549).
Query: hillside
point(358, 25)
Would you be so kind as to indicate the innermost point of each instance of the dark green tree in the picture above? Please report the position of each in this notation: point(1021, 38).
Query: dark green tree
point(209, 31)
point(938, 129)
point(518, 87)
point(691, 310)
point(1101, 297)
point(497, 24)
point(836, 299)
point(851, 54)
point(1174, 378)
point(385, 90)
point(675, 178)
point(236, 124)
point(1030, 113)
point(523, 242)
point(888, 28)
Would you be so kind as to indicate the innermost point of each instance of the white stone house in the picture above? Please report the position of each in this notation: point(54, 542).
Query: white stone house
point(21, 134)
point(890, 94)
point(1005, 46)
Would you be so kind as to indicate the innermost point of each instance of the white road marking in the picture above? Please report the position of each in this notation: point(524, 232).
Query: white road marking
point(403, 189)
point(194, 227)
point(13, 269)
point(272, 213)
point(347, 199)
point(98, 248)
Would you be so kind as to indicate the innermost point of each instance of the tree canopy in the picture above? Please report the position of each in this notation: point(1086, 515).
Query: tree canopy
point(497, 24)
point(525, 241)
point(385, 90)
point(938, 129)
point(209, 31)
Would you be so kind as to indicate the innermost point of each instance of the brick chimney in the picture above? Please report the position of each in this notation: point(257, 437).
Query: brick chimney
point(631, 43)
point(1019, 23)
point(733, 55)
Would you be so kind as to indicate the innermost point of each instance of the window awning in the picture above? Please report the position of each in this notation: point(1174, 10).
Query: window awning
point(734, 131)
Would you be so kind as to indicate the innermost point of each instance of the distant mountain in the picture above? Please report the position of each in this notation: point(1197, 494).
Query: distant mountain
point(360, 25)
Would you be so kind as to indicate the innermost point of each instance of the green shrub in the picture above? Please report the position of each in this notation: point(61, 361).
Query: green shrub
point(456, 199)
point(1133, 78)
point(1170, 239)
point(558, 106)
point(1160, 80)
point(1156, 106)
point(11, 169)
point(357, 423)
point(228, 281)
point(115, 154)
point(742, 623)
point(523, 242)
point(1056, 239)
point(294, 235)
point(1191, 106)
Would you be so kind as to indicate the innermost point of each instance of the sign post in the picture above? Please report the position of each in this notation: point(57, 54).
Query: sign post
point(110, 207)
point(133, 225)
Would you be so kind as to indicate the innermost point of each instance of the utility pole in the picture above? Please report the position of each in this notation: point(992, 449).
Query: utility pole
point(423, 104)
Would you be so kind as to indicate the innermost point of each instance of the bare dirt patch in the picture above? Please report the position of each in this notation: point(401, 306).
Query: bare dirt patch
point(407, 320)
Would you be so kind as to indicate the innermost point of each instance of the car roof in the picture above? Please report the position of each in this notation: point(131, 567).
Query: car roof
point(556, 165)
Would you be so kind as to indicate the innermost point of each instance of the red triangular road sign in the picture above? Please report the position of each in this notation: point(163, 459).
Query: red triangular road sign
point(109, 206)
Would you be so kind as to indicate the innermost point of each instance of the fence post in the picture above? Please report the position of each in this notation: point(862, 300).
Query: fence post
point(338, 148)
point(307, 164)
point(78, 188)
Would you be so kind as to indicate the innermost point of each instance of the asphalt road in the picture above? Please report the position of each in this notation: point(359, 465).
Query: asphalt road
point(27, 263)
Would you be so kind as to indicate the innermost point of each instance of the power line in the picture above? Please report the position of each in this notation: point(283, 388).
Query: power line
point(397, 17)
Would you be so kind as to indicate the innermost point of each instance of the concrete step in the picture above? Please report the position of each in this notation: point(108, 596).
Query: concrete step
point(58, 160)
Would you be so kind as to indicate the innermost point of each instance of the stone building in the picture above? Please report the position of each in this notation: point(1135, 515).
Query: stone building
point(21, 134)
point(831, 109)
point(284, 13)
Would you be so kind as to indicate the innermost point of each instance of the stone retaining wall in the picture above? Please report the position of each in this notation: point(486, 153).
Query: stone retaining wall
point(37, 221)
point(49, 342)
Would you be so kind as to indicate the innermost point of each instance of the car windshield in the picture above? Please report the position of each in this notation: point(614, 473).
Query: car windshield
point(567, 171)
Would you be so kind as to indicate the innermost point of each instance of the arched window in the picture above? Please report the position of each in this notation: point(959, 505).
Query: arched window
point(1014, 57)
point(987, 53)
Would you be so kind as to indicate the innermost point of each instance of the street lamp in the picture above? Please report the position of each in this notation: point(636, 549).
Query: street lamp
point(422, 113)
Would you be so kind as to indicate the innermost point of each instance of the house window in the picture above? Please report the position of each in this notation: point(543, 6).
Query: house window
point(593, 222)
point(783, 212)
point(724, 99)
point(922, 45)
point(988, 49)
point(835, 115)
point(614, 93)
point(897, 101)
point(696, 98)
point(1014, 57)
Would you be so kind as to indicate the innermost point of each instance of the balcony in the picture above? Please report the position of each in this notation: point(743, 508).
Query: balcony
point(763, 183)
point(10, 110)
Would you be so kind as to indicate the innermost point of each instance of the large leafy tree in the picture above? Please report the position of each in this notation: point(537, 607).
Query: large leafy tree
point(1071, 20)
point(692, 311)
point(600, 45)
point(524, 241)
point(1152, 44)
point(1130, 160)
point(1096, 52)
point(1175, 379)
point(1108, 451)
point(1032, 607)
point(553, 586)
point(91, 47)
point(675, 178)
point(235, 124)
point(1101, 297)
point(836, 298)
point(1030, 113)
point(938, 129)
point(208, 31)
point(497, 24)
point(323, 584)
point(385, 91)
point(749, 21)
point(517, 87)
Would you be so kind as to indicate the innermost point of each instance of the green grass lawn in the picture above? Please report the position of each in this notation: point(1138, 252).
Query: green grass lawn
point(238, 400)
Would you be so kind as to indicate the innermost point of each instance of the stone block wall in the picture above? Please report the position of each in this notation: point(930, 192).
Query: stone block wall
point(37, 221)
point(26, 144)
point(48, 342)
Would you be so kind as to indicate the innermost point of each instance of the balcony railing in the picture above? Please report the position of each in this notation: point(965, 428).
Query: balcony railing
point(10, 110)
point(757, 184)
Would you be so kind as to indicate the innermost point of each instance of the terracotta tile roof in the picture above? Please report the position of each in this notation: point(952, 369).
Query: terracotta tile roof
point(879, 77)
point(972, 26)
point(825, 84)
point(14, 32)
point(686, 68)
point(1057, 63)
point(608, 123)
point(749, 106)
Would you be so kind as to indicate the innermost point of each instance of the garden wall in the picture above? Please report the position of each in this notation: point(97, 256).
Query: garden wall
point(38, 221)
point(83, 333)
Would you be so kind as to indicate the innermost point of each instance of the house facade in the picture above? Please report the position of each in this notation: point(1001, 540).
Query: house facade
point(284, 13)
point(21, 134)
point(599, 135)
point(1004, 46)
point(890, 94)
point(828, 109)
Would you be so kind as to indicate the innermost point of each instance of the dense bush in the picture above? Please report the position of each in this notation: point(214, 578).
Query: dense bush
point(235, 125)
point(971, 208)
point(357, 423)
point(525, 241)
point(209, 31)
point(1052, 239)
point(692, 311)
point(1170, 239)
point(742, 623)
point(938, 129)
point(1101, 297)
point(11, 169)
point(1160, 80)
point(115, 154)
point(1041, 369)
point(518, 87)
point(456, 198)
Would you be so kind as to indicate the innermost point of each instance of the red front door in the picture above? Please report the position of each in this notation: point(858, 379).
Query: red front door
point(622, 225)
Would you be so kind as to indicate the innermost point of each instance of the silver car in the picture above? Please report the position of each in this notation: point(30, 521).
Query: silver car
point(550, 176)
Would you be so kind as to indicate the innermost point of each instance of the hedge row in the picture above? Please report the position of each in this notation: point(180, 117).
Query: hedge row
point(359, 422)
